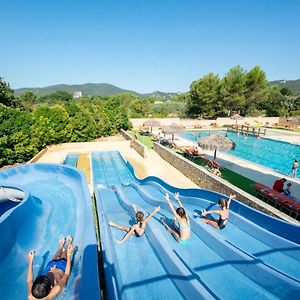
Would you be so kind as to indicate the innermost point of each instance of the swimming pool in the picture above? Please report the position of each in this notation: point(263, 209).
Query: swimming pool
point(276, 155)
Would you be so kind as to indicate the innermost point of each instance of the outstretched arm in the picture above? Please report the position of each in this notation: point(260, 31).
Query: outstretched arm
point(134, 208)
point(171, 206)
point(156, 209)
point(176, 196)
point(231, 196)
point(207, 212)
point(30, 271)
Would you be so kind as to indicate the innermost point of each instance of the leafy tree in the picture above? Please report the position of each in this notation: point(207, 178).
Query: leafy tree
point(256, 89)
point(28, 100)
point(204, 95)
point(233, 89)
point(286, 91)
point(58, 96)
point(6, 93)
point(50, 125)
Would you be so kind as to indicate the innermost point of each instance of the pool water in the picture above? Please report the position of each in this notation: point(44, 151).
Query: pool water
point(276, 155)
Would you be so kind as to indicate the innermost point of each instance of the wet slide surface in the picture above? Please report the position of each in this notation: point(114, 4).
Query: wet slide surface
point(243, 260)
point(56, 203)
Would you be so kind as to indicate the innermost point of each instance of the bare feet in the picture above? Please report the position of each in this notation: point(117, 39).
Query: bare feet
point(69, 240)
point(119, 241)
point(112, 224)
point(61, 242)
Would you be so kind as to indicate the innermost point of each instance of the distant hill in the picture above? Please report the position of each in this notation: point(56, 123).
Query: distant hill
point(87, 89)
point(292, 85)
point(92, 89)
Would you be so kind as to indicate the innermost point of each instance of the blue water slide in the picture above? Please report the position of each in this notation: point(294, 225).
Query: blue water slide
point(56, 203)
point(71, 160)
point(130, 269)
point(265, 262)
point(282, 274)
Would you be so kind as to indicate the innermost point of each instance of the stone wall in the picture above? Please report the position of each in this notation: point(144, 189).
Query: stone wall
point(204, 179)
point(126, 135)
point(136, 145)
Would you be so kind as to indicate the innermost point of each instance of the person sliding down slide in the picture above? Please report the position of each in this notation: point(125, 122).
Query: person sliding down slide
point(182, 232)
point(55, 275)
point(137, 229)
point(223, 212)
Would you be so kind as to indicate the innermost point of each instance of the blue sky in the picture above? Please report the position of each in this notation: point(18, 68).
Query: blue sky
point(145, 45)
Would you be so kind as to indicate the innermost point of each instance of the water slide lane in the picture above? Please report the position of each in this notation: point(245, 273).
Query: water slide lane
point(273, 250)
point(135, 269)
point(56, 203)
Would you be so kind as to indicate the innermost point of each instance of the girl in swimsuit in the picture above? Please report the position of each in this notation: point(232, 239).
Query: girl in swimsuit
point(137, 229)
point(55, 275)
point(182, 232)
point(223, 212)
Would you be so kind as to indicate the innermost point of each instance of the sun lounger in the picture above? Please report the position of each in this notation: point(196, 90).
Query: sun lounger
point(295, 208)
point(286, 201)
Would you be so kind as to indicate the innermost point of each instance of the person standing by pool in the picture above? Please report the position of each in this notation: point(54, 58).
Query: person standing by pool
point(181, 232)
point(55, 276)
point(278, 185)
point(223, 212)
point(295, 166)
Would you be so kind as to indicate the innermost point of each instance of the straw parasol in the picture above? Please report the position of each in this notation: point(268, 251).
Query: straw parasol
point(173, 129)
point(215, 142)
point(236, 117)
point(151, 123)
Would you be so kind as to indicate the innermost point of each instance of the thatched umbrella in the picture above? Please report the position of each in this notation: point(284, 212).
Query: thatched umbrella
point(236, 117)
point(151, 123)
point(215, 142)
point(173, 129)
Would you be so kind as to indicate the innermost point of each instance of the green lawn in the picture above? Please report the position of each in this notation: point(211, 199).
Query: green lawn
point(144, 139)
point(234, 178)
point(283, 128)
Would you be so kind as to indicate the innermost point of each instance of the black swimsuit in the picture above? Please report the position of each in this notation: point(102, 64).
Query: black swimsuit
point(221, 223)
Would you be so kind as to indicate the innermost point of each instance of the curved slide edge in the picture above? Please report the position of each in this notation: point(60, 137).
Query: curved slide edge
point(9, 193)
point(288, 247)
point(267, 277)
point(191, 288)
point(279, 227)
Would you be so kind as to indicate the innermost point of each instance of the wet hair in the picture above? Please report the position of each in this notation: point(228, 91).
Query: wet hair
point(223, 203)
point(139, 217)
point(41, 287)
point(181, 212)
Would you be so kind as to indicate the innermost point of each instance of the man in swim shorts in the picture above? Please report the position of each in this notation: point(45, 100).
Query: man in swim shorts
point(55, 275)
